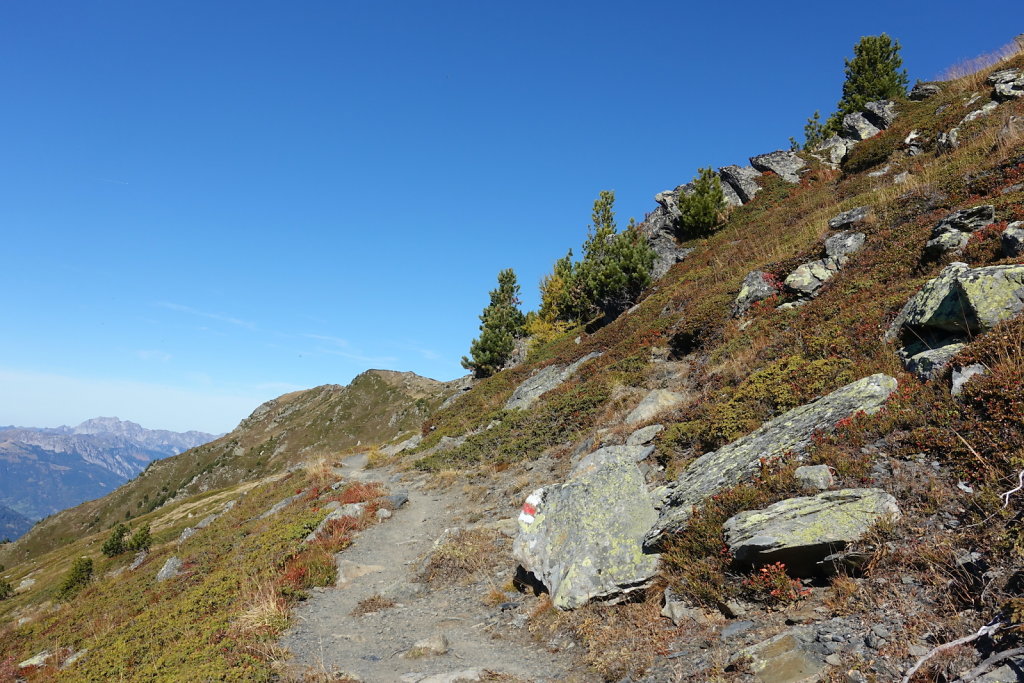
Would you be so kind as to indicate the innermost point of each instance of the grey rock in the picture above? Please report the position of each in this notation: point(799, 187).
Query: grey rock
point(434, 645)
point(757, 286)
point(786, 164)
point(680, 612)
point(734, 629)
point(396, 499)
point(25, 584)
point(383, 513)
point(667, 250)
point(408, 444)
point(1011, 672)
point(1012, 240)
point(36, 660)
point(923, 91)
point(1016, 187)
point(985, 110)
point(834, 150)
point(644, 435)
point(962, 300)
point(857, 127)
point(462, 676)
point(207, 521)
point(879, 172)
point(280, 505)
point(1007, 84)
point(948, 141)
point(851, 219)
point(801, 532)
point(737, 462)
point(349, 510)
point(786, 658)
point(137, 561)
point(814, 477)
point(654, 403)
point(172, 568)
point(530, 391)
point(1012, 130)
point(742, 180)
point(839, 247)
point(914, 143)
point(929, 363)
point(962, 376)
point(581, 539)
point(731, 198)
point(808, 278)
point(74, 657)
point(952, 232)
point(881, 113)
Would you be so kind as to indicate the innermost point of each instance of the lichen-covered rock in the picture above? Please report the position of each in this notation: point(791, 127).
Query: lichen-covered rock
point(881, 113)
point(923, 91)
point(952, 232)
point(172, 568)
point(787, 433)
point(833, 151)
point(1012, 240)
point(582, 539)
point(742, 180)
point(657, 401)
point(644, 435)
point(840, 247)
point(848, 220)
point(929, 363)
point(814, 477)
point(530, 391)
point(962, 376)
point(985, 110)
point(757, 286)
point(963, 300)
point(800, 532)
point(857, 127)
point(787, 165)
point(808, 278)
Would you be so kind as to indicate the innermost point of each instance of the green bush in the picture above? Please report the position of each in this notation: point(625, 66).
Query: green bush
point(702, 209)
point(6, 590)
point(873, 74)
point(76, 579)
point(114, 545)
point(141, 539)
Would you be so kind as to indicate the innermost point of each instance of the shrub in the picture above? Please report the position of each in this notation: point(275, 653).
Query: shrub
point(141, 539)
point(772, 586)
point(702, 209)
point(501, 323)
point(114, 545)
point(873, 74)
point(6, 590)
point(76, 579)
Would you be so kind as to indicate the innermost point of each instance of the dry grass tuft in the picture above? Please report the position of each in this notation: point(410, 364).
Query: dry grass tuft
point(463, 555)
point(321, 472)
point(266, 613)
point(970, 73)
point(374, 603)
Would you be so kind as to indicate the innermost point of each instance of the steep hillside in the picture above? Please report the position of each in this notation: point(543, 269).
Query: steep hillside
point(12, 524)
point(797, 458)
point(375, 407)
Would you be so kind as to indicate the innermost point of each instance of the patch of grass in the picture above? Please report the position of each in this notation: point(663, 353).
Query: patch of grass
point(374, 603)
point(462, 556)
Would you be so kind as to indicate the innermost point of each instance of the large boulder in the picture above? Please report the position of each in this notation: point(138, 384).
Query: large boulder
point(582, 539)
point(801, 532)
point(530, 391)
point(857, 127)
point(1012, 239)
point(952, 232)
point(923, 91)
point(834, 150)
point(807, 278)
point(929, 363)
point(757, 286)
point(962, 300)
point(742, 180)
point(788, 433)
point(787, 165)
point(881, 113)
point(839, 247)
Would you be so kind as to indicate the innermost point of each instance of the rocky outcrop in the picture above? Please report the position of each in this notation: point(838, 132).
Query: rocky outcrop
point(785, 164)
point(742, 180)
point(952, 232)
point(923, 91)
point(787, 433)
point(833, 150)
point(808, 278)
point(757, 286)
point(880, 113)
point(857, 127)
point(530, 391)
point(660, 230)
point(171, 569)
point(849, 220)
point(801, 532)
point(581, 539)
point(1007, 84)
point(960, 303)
point(657, 401)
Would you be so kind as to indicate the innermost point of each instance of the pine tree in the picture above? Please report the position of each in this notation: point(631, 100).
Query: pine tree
point(114, 545)
point(76, 579)
point(501, 323)
point(873, 74)
point(701, 211)
point(6, 590)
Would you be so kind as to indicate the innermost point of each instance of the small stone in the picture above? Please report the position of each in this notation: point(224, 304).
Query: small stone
point(948, 141)
point(736, 628)
point(1012, 240)
point(848, 220)
point(655, 403)
point(644, 436)
point(786, 164)
point(962, 376)
point(434, 645)
point(833, 660)
point(815, 477)
point(923, 91)
point(881, 631)
point(918, 650)
point(383, 514)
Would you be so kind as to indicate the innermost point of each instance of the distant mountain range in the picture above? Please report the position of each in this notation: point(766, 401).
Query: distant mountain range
point(44, 470)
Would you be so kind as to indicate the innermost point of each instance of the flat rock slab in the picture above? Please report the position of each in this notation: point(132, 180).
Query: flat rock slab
point(737, 462)
point(654, 403)
point(530, 391)
point(581, 539)
point(801, 532)
point(786, 658)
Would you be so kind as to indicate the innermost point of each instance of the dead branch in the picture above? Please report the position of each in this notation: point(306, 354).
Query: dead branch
point(1020, 485)
point(986, 630)
point(987, 665)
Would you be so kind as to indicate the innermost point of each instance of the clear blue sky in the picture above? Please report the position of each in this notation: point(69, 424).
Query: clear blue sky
point(206, 204)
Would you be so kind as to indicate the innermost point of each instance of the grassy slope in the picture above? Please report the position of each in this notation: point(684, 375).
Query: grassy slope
point(377, 406)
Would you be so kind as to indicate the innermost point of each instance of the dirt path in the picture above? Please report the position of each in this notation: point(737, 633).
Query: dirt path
point(385, 560)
